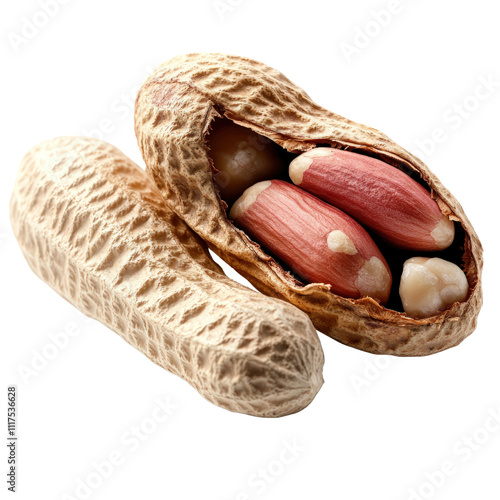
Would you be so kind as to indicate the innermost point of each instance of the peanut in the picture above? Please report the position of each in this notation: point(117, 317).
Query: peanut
point(241, 158)
point(377, 195)
point(94, 227)
point(175, 109)
point(318, 242)
point(430, 285)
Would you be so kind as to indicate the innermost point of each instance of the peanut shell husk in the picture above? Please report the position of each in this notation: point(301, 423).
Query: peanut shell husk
point(94, 227)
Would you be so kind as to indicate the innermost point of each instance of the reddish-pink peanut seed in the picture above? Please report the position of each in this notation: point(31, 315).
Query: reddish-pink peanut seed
point(378, 195)
point(318, 242)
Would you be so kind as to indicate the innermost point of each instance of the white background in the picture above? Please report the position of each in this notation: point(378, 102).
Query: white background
point(380, 427)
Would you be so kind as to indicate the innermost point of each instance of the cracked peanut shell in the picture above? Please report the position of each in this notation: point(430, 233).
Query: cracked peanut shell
point(93, 226)
point(174, 111)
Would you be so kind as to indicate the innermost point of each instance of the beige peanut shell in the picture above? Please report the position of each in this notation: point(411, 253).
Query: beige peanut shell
point(174, 109)
point(94, 226)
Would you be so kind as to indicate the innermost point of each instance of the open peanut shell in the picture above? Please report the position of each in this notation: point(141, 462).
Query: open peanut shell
point(174, 112)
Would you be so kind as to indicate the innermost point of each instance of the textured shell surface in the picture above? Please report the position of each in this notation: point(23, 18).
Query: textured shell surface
point(174, 110)
point(94, 226)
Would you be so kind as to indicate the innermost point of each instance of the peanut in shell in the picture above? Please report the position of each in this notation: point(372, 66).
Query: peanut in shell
point(174, 111)
point(94, 227)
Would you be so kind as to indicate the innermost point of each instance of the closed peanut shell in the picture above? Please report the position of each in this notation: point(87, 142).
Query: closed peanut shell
point(174, 110)
point(93, 226)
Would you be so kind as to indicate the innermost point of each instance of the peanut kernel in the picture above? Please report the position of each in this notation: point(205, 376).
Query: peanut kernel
point(317, 242)
point(430, 285)
point(242, 204)
point(241, 157)
point(444, 233)
point(376, 194)
point(374, 280)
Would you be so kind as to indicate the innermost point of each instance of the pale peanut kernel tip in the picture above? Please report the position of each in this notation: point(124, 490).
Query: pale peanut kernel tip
point(297, 168)
point(374, 280)
point(319, 152)
point(444, 233)
point(243, 203)
point(338, 241)
point(300, 164)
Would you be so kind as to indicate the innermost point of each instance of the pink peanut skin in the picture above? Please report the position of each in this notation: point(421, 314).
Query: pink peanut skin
point(376, 194)
point(294, 226)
